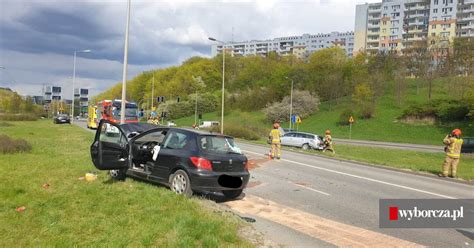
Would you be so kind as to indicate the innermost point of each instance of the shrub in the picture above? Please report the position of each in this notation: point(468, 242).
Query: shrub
point(18, 117)
point(9, 145)
point(304, 104)
point(446, 110)
point(5, 124)
point(344, 117)
point(206, 103)
point(243, 132)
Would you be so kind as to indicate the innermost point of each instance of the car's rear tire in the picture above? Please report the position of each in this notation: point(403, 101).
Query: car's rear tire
point(305, 147)
point(180, 183)
point(232, 194)
point(118, 175)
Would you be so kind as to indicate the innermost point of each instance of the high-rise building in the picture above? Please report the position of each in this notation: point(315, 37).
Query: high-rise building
point(393, 25)
point(51, 93)
point(81, 96)
point(300, 46)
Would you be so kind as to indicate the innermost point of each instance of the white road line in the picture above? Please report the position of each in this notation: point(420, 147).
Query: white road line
point(308, 188)
point(361, 177)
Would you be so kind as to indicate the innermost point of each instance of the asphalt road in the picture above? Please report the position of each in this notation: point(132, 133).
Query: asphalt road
point(307, 201)
point(349, 193)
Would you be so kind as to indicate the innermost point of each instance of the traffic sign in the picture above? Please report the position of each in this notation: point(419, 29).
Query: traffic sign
point(293, 119)
point(298, 120)
point(351, 119)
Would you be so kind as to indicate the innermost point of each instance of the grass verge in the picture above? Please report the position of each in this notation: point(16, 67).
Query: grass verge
point(72, 212)
point(400, 159)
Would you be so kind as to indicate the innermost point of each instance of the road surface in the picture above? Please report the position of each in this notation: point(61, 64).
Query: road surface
point(347, 193)
point(307, 201)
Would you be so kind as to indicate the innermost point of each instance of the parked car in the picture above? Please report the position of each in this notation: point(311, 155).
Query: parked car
point(468, 145)
point(186, 160)
point(61, 119)
point(303, 140)
point(208, 124)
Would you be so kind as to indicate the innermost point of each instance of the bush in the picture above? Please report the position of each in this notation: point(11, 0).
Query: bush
point(237, 131)
point(9, 145)
point(18, 117)
point(175, 110)
point(304, 104)
point(344, 117)
point(5, 124)
point(446, 110)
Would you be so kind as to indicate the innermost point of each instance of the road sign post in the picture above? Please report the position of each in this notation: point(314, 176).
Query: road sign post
point(351, 120)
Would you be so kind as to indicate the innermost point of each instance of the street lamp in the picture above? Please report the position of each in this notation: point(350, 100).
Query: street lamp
point(223, 75)
point(74, 80)
point(125, 64)
point(291, 99)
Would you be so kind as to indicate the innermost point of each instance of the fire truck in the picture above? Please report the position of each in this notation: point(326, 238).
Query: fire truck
point(110, 110)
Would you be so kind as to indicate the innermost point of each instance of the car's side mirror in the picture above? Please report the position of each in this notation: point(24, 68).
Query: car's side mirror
point(132, 134)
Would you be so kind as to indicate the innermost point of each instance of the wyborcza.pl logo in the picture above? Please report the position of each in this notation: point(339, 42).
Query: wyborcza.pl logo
point(426, 213)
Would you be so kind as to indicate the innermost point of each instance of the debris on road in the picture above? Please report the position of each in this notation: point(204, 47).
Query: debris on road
point(91, 177)
point(45, 186)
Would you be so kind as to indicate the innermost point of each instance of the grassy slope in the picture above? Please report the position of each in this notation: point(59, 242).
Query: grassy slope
point(382, 127)
point(102, 212)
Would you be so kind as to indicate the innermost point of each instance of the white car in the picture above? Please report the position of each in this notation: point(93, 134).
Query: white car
point(303, 140)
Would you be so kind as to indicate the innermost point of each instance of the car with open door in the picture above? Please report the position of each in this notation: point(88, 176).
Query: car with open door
point(186, 160)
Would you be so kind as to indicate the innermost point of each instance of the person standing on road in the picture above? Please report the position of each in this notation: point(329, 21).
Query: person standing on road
point(328, 142)
point(453, 144)
point(275, 141)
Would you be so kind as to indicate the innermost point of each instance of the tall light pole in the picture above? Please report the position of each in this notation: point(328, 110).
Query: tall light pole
point(291, 99)
point(223, 75)
point(125, 65)
point(74, 80)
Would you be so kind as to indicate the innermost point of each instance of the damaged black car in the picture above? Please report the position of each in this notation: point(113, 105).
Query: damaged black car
point(185, 160)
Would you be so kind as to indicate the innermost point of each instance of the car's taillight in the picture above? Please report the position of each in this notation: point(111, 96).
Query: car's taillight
point(201, 163)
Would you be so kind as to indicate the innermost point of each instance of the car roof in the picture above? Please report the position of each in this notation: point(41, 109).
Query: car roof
point(128, 128)
point(303, 133)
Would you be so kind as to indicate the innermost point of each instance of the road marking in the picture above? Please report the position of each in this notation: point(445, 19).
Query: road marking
point(361, 177)
point(333, 232)
point(308, 188)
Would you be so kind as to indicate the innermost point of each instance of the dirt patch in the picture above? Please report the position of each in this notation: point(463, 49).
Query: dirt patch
point(256, 162)
point(253, 184)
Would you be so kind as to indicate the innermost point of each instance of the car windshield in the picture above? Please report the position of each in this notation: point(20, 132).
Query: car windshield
point(129, 112)
point(219, 144)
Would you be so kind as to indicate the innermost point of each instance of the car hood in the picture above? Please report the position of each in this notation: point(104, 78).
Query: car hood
point(129, 128)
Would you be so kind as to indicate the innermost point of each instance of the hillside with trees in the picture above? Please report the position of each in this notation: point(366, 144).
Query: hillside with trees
point(443, 86)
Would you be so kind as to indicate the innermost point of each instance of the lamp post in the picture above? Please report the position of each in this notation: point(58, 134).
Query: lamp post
point(74, 80)
point(291, 99)
point(223, 75)
point(125, 63)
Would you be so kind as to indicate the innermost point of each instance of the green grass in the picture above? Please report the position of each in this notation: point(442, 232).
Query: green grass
point(73, 212)
point(384, 126)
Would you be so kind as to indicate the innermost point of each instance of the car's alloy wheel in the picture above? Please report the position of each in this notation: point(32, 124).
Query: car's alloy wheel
point(180, 183)
point(305, 147)
point(117, 174)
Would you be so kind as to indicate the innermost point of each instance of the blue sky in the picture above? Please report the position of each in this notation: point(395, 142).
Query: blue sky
point(38, 38)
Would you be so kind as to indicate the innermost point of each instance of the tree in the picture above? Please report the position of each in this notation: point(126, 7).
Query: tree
point(362, 99)
point(304, 104)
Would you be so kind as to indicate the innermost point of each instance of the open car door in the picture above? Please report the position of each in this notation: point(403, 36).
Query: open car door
point(110, 149)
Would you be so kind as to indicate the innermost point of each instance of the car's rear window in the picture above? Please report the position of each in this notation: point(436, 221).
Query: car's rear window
point(218, 144)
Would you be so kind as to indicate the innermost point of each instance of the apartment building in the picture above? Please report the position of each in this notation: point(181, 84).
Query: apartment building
point(465, 18)
point(393, 25)
point(51, 93)
point(81, 96)
point(300, 46)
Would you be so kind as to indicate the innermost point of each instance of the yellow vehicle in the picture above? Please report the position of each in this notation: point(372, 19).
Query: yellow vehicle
point(92, 119)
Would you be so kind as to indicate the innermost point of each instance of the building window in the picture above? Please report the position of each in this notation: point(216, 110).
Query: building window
point(435, 10)
point(436, 2)
point(433, 26)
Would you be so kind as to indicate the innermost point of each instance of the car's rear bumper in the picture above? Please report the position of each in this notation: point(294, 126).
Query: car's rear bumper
point(207, 181)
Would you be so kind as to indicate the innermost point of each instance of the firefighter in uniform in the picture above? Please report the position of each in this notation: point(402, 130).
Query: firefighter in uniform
point(453, 144)
point(328, 142)
point(274, 136)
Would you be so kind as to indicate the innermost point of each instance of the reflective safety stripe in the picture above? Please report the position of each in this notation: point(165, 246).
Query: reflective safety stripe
point(454, 155)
